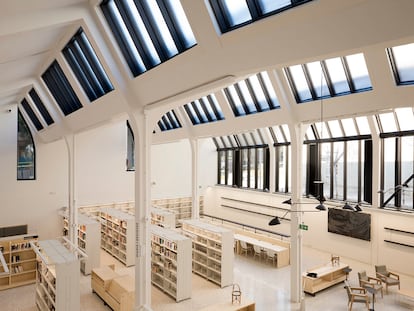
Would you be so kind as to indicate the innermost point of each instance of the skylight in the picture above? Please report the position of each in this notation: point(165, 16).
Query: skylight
point(402, 61)
point(204, 110)
point(329, 78)
point(32, 115)
point(169, 121)
point(400, 119)
point(149, 32)
point(41, 107)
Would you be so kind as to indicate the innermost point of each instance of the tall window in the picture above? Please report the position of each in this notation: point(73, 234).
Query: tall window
point(130, 161)
point(281, 142)
point(25, 150)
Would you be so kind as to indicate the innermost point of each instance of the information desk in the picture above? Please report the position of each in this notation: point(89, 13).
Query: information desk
point(325, 276)
point(245, 305)
point(282, 252)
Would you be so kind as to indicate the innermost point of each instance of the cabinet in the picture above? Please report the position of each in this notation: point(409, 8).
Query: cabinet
point(57, 283)
point(171, 262)
point(324, 277)
point(19, 261)
point(88, 241)
point(213, 254)
point(162, 217)
point(118, 235)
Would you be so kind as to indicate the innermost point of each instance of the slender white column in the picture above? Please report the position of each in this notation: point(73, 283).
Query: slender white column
point(195, 207)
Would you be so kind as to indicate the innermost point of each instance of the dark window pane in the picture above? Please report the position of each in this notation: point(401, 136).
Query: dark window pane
point(26, 154)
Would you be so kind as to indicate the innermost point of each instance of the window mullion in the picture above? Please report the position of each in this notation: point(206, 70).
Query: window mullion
point(348, 75)
point(309, 82)
point(265, 91)
point(327, 79)
point(253, 95)
point(241, 97)
point(254, 9)
point(177, 35)
point(206, 112)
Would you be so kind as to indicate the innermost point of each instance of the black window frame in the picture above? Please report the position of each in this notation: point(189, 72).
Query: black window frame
point(41, 107)
point(31, 114)
point(22, 162)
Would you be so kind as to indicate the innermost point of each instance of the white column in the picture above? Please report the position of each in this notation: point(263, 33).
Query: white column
point(142, 135)
point(72, 209)
point(195, 206)
point(296, 291)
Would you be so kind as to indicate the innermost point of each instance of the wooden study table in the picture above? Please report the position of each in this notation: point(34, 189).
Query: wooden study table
point(326, 275)
point(245, 305)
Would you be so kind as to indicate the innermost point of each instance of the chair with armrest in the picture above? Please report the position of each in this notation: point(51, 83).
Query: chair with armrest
point(356, 294)
point(387, 277)
point(245, 248)
point(369, 281)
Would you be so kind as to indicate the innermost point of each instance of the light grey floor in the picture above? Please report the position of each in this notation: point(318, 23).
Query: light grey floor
point(267, 286)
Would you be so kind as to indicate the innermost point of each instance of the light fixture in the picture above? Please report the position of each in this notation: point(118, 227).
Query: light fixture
point(348, 207)
point(288, 201)
point(276, 220)
point(357, 208)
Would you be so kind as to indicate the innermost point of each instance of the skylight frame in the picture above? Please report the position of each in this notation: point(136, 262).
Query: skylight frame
point(41, 107)
point(394, 59)
point(169, 121)
point(204, 110)
point(32, 115)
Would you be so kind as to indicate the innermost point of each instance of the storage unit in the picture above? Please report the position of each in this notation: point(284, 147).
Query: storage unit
point(19, 261)
point(57, 285)
point(162, 217)
point(181, 207)
point(118, 235)
point(319, 278)
point(213, 254)
point(171, 262)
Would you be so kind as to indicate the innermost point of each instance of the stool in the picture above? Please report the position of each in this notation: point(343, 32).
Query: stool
point(236, 294)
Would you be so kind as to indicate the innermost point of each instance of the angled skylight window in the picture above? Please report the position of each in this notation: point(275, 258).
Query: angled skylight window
point(32, 115)
point(363, 125)
point(169, 121)
point(255, 94)
point(349, 127)
point(86, 66)
point(329, 78)
point(204, 110)
point(405, 117)
point(401, 119)
point(232, 14)
point(402, 63)
point(41, 107)
point(335, 128)
point(61, 89)
point(280, 134)
point(149, 32)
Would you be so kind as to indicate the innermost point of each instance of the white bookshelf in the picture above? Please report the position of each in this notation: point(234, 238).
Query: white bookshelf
point(118, 235)
point(181, 207)
point(171, 262)
point(213, 254)
point(57, 284)
point(162, 217)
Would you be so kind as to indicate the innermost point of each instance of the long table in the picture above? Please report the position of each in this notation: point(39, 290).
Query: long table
point(325, 276)
point(282, 253)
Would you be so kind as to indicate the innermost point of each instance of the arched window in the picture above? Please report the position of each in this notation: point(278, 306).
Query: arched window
point(26, 153)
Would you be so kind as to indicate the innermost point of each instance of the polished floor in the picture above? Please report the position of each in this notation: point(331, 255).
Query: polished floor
point(259, 281)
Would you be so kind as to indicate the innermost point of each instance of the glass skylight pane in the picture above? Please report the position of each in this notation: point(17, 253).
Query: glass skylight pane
point(236, 101)
point(219, 143)
point(337, 75)
point(285, 129)
point(242, 140)
point(349, 127)
point(335, 128)
point(232, 141)
point(215, 105)
point(247, 97)
point(256, 138)
point(192, 114)
point(309, 133)
point(278, 134)
point(200, 111)
point(258, 92)
point(322, 130)
point(363, 125)
point(267, 6)
point(359, 71)
point(318, 79)
point(210, 111)
point(299, 80)
point(237, 11)
point(162, 27)
point(249, 139)
point(405, 118)
point(182, 21)
point(404, 61)
point(269, 88)
point(388, 122)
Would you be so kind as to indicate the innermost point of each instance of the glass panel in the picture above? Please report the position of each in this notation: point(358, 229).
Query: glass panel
point(309, 133)
point(182, 22)
point(232, 141)
point(25, 151)
point(278, 134)
point(349, 127)
point(337, 75)
point(247, 97)
point(388, 122)
point(219, 142)
point(192, 114)
point(363, 126)
point(212, 115)
point(404, 61)
point(326, 168)
point(322, 130)
point(230, 167)
point(257, 139)
point(285, 128)
point(236, 101)
point(237, 11)
point(258, 92)
point(318, 79)
point(249, 139)
point(260, 168)
point(352, 160)
point(300, 83)
point(359, 71)
point(130, 163)
point(222, 165)
point(269, 88)
point(405, 118)
point(242, 140)
point(338, 171)
point(389, 169)
point(200, 111)
point(281, 168)
point(267, 6)
point(335, 128)
point(407, 169)
point(252, 183)
point(245, 167)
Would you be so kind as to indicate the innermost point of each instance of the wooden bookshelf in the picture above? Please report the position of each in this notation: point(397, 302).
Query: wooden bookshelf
point(162, 218)
point(57, 283)
point(19, 261)
point(213, 254)
point(171, 262)
point(181, 207)
point(118, 235)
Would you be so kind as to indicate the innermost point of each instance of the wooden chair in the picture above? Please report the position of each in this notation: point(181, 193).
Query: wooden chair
point(257, 251)
point(356, 294)
point(271, 256)
point(387, 277)
point(368, 281)
point(245, 248)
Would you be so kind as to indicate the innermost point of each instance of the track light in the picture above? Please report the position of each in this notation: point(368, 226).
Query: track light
point(288, 201)
point(321, 207)
point(275, 221)
point(357, 208)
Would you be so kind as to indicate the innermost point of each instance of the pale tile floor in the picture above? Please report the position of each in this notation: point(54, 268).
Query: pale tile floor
point(259, 281)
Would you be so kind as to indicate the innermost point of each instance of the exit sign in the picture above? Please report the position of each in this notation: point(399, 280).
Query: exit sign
point(303, 227)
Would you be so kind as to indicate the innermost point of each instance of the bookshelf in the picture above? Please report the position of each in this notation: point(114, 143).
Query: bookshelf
point(57, 282)
point(118, 235)
point(213, 254)
point(181, 207)
point(18, 261)
point(162, 218)
point(171, 262)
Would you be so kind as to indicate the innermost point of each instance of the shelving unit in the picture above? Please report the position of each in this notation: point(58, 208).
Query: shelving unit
point(181, 207)
point(118, 235)
point(325, 276)
point(19, 261)
point(162, 218)
point(171, 262)
point(213, 254)
point(57, 283)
